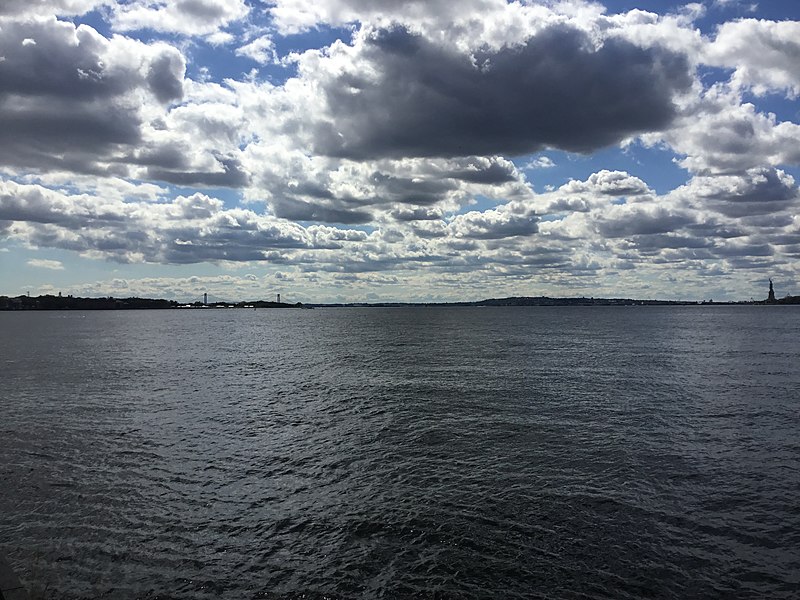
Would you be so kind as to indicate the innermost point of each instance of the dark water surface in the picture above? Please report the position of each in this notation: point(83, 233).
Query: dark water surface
point(604, 452)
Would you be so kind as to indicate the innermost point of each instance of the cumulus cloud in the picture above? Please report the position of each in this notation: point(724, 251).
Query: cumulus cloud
point(637, 220)
point(56, 59)
point(229, 174)
point(165, 75)
point(293, 16)
point(406, 96)
point(19, 8)
point(485, 170)
point(302, 187)
point(188, 229)
point(598, 192)
point(720, 134)
point(765, 55)
point(301, 210)
point(185, 17)
point(417, 214)
point(724, 221)
point(609, 183)
point(756, 192)
point(73, 99)
point(261, 50)
point(493, 224)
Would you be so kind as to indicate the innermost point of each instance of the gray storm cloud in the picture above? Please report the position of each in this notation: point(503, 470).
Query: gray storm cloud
point(68, 95)
point(417, 98)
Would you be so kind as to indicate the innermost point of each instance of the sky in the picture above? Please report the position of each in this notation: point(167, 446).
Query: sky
point(387, 150)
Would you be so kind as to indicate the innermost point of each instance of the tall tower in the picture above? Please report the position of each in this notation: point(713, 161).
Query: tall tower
point(771, 296)
point(205, 298)
point(279, 298)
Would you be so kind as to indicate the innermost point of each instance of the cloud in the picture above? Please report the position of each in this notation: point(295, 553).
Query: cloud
point(757, 192)
point(42, 263)
point(406, 96)
point(21, 8)
point(597, 192)
point(721, 135)
point(324, 189)
point(74, 99)
point(185, 17)
point(165, 76)
point(417, 214)
point(63, 61)
point(405, 128)
point(300, 210)
point(484, 170)
point(637, 220)
point(294, 16)
point(609, 183)
point(230, 174)
point(188, 229)
point(261, 50)
point(494, 224)
point(540, 162)
point(765, 55)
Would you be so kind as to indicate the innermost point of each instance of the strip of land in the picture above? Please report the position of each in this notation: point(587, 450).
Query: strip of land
point(51, 302)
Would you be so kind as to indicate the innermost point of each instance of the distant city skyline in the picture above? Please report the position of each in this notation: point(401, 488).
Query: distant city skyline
point(345, 151)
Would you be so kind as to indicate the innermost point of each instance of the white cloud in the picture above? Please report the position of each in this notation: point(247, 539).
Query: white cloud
point(220, 38)
point(185, 17)
point(188, 229)
point(20, 8)
point(763, 54)
point(496, 223)
point(43, 263)
point(292, 16)
point(261, 50)
point(720, 134)
point(540, 162)
point(609, 183)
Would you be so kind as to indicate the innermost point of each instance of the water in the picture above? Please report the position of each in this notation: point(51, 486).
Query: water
point(605, 452)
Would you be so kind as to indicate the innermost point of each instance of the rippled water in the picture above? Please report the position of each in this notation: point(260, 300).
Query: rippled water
point(605, 452)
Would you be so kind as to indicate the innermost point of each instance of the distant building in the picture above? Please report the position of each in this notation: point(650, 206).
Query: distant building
point(771, 296)
point(279, 298)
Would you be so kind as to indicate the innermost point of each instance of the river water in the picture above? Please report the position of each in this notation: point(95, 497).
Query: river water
point(530, 452)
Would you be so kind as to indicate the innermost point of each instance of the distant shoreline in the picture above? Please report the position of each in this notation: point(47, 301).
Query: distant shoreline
point(50, 302)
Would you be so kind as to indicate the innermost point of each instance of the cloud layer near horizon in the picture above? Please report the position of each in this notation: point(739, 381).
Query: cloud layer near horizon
point(402, 159)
